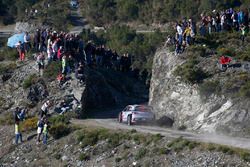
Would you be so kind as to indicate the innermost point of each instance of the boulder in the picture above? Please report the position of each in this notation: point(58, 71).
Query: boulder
point(165, 121)
point(37, 92)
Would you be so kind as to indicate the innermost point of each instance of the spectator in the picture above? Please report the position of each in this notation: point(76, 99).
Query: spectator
point(80, 73)
point(44, 109)
point(27, 40)
point(18, 133)
point(40, 63)
point(21, 51)
point(45, 131)
point(40, 124)
point(37, 38)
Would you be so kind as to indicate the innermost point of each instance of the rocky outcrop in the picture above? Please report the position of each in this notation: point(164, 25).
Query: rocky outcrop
point(184, 104)
point(24, 27)
point(37, 92)
point(108, 88)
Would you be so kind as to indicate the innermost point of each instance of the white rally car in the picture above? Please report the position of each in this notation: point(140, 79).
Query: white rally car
point(133, 114)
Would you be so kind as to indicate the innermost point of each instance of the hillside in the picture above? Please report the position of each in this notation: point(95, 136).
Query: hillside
point(191, 89)
point(189, 60)
point(108, 12)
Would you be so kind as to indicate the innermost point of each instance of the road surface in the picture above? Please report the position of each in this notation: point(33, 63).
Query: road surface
point(113, 124)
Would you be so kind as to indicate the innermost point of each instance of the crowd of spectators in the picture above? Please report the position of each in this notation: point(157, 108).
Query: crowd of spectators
point(73, 53)
point(218, 21)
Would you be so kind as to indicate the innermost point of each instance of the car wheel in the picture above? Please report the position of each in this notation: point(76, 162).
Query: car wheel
point(120, 117)
point(129, 120)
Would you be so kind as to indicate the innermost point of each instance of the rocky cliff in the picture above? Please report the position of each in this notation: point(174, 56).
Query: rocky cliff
point(186, 106)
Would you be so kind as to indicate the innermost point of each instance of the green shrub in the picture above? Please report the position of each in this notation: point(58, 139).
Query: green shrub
point(190, 73)
point(114, 140)
point(2, 101)
point(5, 68)
point(225, 149)
point(29, 124)
point(180, 144)
point(211, 147)
point(118, 159)
point(52, 70)
point(8, 54)
point(7, 119)
point(59, 119)
point(159, 150)
point(245, 156)
point(245, 90)
point(226, 52)
point(139, 138)
point(182, 127)
point(141, 153)
point(208, 88)
point(57, 156)
point(196, 50)
point(156, 137)
point(84, 157)
point(29, 81)
point(59, 130)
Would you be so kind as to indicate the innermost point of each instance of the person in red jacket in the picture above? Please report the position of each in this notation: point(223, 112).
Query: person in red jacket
point(224, 62)
point(59, 53)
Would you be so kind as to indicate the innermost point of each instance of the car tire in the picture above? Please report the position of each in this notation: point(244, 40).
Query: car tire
point(129, 120)
point(120, 117)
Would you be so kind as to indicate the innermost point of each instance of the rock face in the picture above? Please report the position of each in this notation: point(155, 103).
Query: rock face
point(184, 104)
point(37, 92)
point(107, 88)
point(23, 27)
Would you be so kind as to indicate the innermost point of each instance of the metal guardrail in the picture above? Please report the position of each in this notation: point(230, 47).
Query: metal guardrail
point(6, 34)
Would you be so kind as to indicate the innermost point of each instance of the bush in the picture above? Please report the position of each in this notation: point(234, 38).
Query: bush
point(245, 156)
point(29, 124)
point(180, 144)
point(141, 153)
point(190, 73)
point(139, 138)
point(59, 130)
point(6, 68)
point(226, 52)
point(8, 54)
point(7, 119)
point(196, 50)
point(84, 157)
point(2, 101)
point(52, 70)
point(118, 159)
point(29, 81)
point(245, 90)
point(210, 87)
point(59, 119)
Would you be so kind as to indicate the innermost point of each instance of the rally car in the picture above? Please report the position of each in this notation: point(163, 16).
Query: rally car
point(133, 114)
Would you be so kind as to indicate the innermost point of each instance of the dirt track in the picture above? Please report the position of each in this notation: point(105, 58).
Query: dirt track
point(207, 138)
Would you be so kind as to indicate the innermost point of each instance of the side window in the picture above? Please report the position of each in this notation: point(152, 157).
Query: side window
point(126, 108)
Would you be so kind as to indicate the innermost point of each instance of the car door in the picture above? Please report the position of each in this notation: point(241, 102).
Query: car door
point(125, 114)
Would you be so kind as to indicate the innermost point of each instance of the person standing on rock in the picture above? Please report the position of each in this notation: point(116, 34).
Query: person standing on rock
point(45, 131)
point(40, 125)
point(64, 65)
point(40, 62)
point(18, 134)
point(37, 38)
point(21, 51)
point(44, 109)
point(27, 40)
